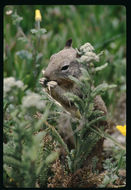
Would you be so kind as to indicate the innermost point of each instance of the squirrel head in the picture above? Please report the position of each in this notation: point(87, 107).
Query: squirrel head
point(62, 65)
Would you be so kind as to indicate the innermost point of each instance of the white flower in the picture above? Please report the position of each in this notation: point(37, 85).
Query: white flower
point(88, 57)
point(115, 22)
point(19, 84)
point(43, 71)
point(33, 100)
point(87, 47)
point(113, 45)
point(9, 12)
point(10, 82)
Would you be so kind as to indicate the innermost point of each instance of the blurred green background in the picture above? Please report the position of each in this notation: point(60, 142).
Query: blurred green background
point(26, 54)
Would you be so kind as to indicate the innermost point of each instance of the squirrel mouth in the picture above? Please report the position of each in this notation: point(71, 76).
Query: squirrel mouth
point(46, 83)
point(62, 83)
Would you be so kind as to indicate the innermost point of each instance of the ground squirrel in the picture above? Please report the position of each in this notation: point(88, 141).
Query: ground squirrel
point(61, 66)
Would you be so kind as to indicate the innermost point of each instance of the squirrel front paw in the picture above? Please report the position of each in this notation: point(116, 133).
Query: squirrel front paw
point(47, 84)
point(51, 84)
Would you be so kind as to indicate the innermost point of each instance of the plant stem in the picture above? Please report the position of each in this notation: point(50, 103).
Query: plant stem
point(57, 135)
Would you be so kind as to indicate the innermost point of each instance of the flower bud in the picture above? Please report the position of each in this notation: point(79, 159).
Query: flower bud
point(38, 15)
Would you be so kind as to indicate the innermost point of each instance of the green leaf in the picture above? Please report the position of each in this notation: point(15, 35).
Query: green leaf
point(16, 19)
point(101, 88)
point(38, 137)
point(9, 160)
point(8, 170)
point(52, 157)
point(97, 113)
point(38, 57)
point(6, 104)
point(105, 181)
point(75, 99)
point(101, 67)
point(77, 81)
point(42, 31)
point(24, 54)
point(38, 32)
point(85, 73)
point(57, 136)
point(23, 39)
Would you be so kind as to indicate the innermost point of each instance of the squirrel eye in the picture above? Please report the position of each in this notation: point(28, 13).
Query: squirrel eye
point(64, 67)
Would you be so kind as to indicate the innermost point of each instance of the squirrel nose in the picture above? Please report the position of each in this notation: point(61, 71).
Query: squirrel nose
point(46, 74)
point(47, 77)
point(45, 82)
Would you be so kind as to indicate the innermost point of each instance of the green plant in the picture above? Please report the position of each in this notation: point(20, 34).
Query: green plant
point(27, 153)
point(112, 167)
point(27, 60)
point(88, 133)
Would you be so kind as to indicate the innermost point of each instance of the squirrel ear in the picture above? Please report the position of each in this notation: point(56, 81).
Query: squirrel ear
point(68, 43)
